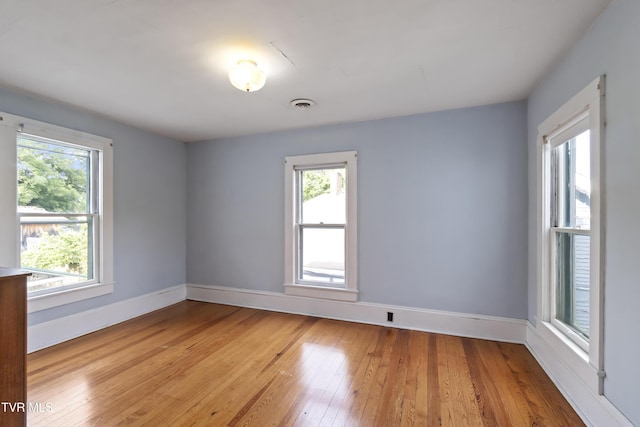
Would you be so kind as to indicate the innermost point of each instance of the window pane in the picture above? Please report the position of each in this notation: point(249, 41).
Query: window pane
point(322, 192)
point(52, 177)
point(58, 250)
point(573, 281)
point(322, 255)
point(574, 182)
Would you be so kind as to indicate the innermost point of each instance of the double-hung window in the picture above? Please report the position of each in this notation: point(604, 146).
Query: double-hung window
point(570, 232)
point(62, 195)
point(320, 217)
point(58, 212)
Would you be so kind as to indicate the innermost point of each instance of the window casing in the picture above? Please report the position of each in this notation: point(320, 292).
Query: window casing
point(62, 219)
point(570, 233)
point(320, 226)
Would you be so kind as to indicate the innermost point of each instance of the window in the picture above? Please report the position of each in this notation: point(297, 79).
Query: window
point(58, 212)
point(62, 184)
point(321, 231)
point(570, 230)
point(570, 217)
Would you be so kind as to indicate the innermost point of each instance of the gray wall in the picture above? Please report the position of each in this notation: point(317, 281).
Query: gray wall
point(442, 208)
point(612, 47)
point(149, 202)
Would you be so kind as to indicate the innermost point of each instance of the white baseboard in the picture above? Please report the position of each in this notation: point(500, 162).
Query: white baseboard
point(595, 410)
point(466, 325)
point(53, 332)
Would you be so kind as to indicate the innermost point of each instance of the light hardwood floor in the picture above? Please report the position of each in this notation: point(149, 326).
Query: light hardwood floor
point(214, 365)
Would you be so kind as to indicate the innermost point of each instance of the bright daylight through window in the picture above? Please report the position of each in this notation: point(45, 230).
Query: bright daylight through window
point(321, 225)
point(570, 233)
point(56, 204)
point(321, 222)
point(570, 228)
point(58, 211)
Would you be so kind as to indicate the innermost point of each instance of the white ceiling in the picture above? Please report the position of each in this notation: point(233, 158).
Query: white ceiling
point(162, 65)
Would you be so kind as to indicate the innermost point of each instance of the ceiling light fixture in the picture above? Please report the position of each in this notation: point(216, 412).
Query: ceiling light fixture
point(246, 76)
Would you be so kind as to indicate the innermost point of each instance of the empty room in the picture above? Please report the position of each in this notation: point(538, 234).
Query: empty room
point(297, 213)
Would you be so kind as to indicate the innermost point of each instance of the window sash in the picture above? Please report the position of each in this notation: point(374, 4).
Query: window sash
point(300, 256)
point(556, 269)
point(87, 154)
point(568, 129)
point(299, 197)
point(93, 244)
point(320, 166)
point(46, 140)
point(567, 162)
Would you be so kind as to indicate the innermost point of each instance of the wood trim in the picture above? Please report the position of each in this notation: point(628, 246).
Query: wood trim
point(62, 329)
point(459, 324)
point(594, 409)
point(67, 296)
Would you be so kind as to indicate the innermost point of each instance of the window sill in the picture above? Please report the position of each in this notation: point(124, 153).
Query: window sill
point(570, 354)
point(339, 294)
point(67, 296)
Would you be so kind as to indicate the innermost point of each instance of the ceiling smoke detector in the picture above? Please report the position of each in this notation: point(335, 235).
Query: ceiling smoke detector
point(302, 104)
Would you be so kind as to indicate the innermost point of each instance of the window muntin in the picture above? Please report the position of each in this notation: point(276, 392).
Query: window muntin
point(58, 211)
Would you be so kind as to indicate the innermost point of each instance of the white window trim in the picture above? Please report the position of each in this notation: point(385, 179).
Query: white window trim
point(291, 287)
point(67, 296)
point(587, 361)
point(105, 275)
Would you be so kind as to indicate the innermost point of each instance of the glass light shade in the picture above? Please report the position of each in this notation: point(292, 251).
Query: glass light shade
point(246, 76)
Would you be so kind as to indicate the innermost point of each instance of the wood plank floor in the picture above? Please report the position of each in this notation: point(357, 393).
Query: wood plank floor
point(206, 364)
